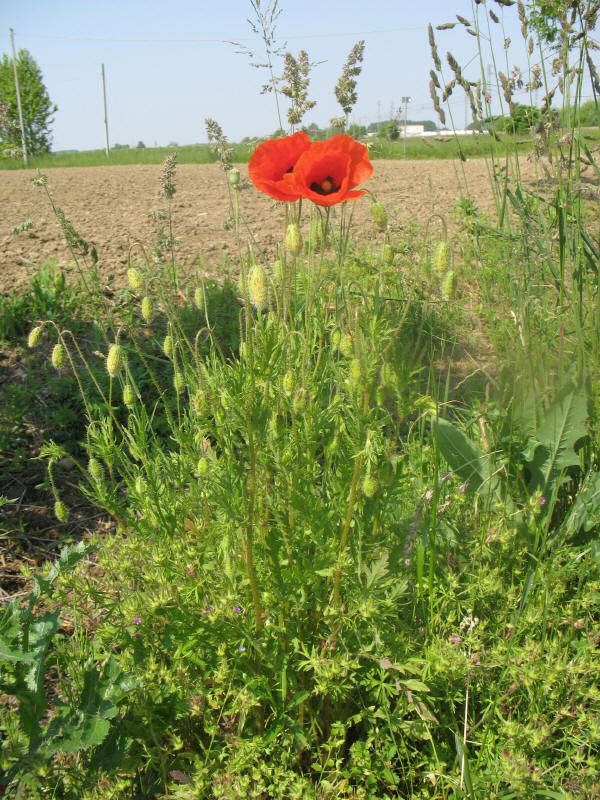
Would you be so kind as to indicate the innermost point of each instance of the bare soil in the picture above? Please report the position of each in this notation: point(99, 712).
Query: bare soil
point(111, 208)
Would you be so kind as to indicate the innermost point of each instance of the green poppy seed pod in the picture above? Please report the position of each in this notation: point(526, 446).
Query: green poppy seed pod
point(95, 469)
point(355, 370)
point(336, 337)
point(234, 176)
point(449, 285)
point(300, 401)
point(388, 255)
point(441, 258)
point(379, 215)
point(34, 337)
point(369, 486)
point(168, 346)
point(346, 345)
point(61, 512)
point(140, 485)
point(293, 239)
point(58, 356)
point(179, 382)
point(288, 383)
point(136, 282)
point(257, 287)
point(147, 309)
point(114, 360)
point(199, 298)
point(128, 395)
point(202, 467)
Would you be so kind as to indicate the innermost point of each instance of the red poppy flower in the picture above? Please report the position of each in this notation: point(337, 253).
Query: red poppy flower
point(272, 160)
point(328, 171)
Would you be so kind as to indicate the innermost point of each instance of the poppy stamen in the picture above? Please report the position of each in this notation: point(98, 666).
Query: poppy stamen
point(327, 186)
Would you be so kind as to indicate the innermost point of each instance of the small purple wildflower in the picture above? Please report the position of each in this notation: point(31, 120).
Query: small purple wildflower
point(241, 648)
point(137, 620)
point(237, 609)
point(456, 639)
point(542, 501)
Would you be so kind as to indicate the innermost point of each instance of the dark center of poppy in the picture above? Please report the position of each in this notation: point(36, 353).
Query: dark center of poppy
point(327, 186)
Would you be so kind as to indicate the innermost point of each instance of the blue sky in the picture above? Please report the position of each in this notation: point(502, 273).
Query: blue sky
point(168, 68)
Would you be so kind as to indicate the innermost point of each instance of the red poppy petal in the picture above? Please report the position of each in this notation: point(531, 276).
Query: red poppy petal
point(272, 159)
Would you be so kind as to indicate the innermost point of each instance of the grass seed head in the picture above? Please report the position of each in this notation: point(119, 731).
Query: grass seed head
point(293, 239)
point(35, 335)
point(147, 309)
point(355, 371)
point(199, 298)
point(300, 401)
point(388, 255)
point(58, 356)
point(379, 215)
point(114, 360)
point(136, 282)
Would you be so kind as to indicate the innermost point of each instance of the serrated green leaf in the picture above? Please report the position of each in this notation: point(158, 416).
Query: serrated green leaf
point(562, 428)
point(465, 458)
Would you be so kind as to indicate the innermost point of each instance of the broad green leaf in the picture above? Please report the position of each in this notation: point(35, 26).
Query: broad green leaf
point(585, 511)
point(562, 428)
point(465, 458)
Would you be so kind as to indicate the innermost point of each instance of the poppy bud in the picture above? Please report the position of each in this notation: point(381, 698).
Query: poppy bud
point(346, 345)
point(95, 469)
point(355, 371)
point(379, 215)
point(336, 337)
point(300, 401)
point(202, 467)
point(140, 485)
point(136, 282)
point(128, 395)
point(288, 383)
point(147, 309)
point(449, 285)
point(257, 287)
point(388, 255)
point(168, 346)
point(114, 360)
point(234, 176)
point(61, 512)
point(293, 239)
point(441, 258)
point(58, 356)
point(179, 382)
point(370, 486)
point(34, 336)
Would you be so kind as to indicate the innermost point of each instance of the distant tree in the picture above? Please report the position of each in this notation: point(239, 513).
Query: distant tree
point(548, 16)
point(117, 146)
point(522, 118)
point(357, 131)
point(140, 145)
point(172, 144)
point(389, 129)
point(37, 108)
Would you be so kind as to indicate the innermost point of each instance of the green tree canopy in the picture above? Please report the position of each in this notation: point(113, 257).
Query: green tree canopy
point(38, 110)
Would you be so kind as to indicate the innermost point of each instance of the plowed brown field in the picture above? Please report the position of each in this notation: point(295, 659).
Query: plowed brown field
point(111, 208)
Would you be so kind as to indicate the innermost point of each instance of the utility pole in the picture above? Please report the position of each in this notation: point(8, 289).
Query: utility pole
point(23, 143)
point(406, 101)
point(106, 147)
